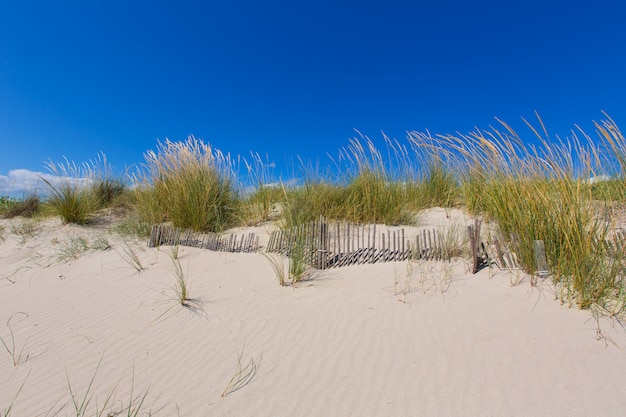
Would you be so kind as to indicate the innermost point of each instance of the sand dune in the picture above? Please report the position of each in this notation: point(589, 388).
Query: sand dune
point(388, 339)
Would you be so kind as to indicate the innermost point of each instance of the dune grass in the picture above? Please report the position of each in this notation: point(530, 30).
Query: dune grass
point(181, 287)
point(564, 192)
point(28, 207)
point(244, 373)
point(372, 186)
point(77, 191)
point(24, 228)
point(543, 193)
point(190, 185)
point(86, 404)
point(16, 353)
point(130, 256)
point(7, 411)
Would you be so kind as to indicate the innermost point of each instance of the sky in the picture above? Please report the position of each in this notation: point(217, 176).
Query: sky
point(290, 79)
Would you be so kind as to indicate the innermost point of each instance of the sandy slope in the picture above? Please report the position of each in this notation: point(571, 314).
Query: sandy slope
point(368, 340)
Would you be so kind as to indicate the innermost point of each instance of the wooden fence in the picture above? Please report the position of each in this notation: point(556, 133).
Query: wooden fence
point(330, 245)
point(326, 245)
point(167, 235)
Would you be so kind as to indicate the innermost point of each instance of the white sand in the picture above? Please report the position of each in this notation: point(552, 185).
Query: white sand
point(367, 340)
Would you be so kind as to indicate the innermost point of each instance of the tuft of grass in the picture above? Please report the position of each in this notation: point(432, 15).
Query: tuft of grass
point(372, 186)
point(100, 243)
point(280, 269)
point(129, 255)
point(305, 203)
point(182, 287)
point(298, 265)
point(25, 228)
point(77, 191)
point(72, 248)
point(190, 185)
point(245, 371)
point(132, 225)
point(174, 251)
point(82, 404)
point(542, 193)
point(10, 208)
point(8, 410)
point(293, 268)
point(454, 240)
point(71, 196)
point(263, 193)
point(440, 187)
point(105, 185)
point(15, 352)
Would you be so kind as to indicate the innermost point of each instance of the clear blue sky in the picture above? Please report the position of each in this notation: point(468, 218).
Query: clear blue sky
point(288, 78)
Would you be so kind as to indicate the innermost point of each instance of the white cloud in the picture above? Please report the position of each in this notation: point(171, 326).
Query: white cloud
point(22, 182)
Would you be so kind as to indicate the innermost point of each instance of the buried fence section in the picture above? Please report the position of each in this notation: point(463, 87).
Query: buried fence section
point(168, 235)
point(346, 243)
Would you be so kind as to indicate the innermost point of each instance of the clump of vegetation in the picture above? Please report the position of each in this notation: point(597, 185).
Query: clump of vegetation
point(6, 203)
point(25, 228)
point(263, 197)
point(78, 191)
point(72, 248)
point(130, 256)
point(543, 193)
point(16, 353)
point(83, 403)
point(107, 187)
point(190, 185)
point(372, 188)
point(182, 286)
point(10, 208)
point(244, 373)
point(293, 268)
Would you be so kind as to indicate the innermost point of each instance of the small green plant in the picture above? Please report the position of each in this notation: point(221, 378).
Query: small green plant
point(17, 354)
point(174, 251)
point(101, 243)
point(280, 269)
point(7, 411)
point(25, 208)
point(294, 268)
point(133, 225)
point(82, 403)
point(71, 196)
point(105, 185)
point(182, 286)
point(130, 256)
point(298, 265)
point(245, 371)
point(72, 248)
point(24, 228)
point(453, 241)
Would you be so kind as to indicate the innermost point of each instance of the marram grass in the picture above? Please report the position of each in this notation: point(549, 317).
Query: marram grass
point(564, 192)
point(544, 193)
point(190, 185)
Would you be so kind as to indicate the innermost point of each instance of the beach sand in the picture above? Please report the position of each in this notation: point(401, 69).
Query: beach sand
point(391, 339)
